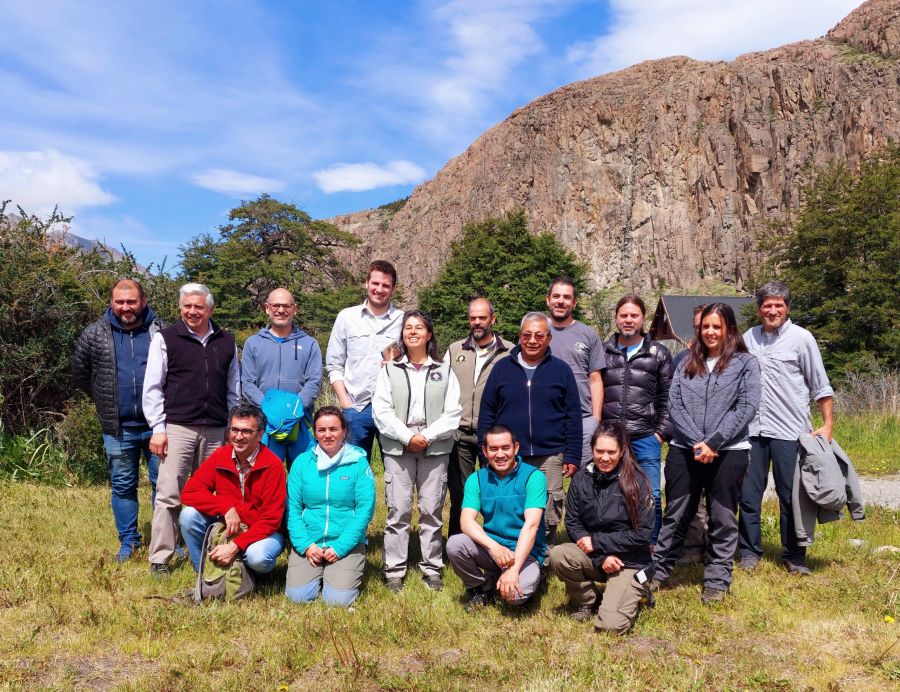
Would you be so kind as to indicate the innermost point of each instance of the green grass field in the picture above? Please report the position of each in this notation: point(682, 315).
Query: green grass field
point(70, 617)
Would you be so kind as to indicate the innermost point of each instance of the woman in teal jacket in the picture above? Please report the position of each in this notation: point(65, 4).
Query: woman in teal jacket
point(331, 500)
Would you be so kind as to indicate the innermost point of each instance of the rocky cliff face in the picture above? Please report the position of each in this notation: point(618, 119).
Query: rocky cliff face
point(670, 170)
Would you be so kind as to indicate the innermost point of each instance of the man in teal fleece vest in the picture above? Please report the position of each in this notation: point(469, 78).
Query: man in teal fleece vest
point(505, 555)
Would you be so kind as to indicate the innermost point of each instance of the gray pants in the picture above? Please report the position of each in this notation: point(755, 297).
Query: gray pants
point(552, 467)
point(621, 599)
point(189, 446)
point(588, 426)
point(428, 475)
point(475, 566)
point(338, 582)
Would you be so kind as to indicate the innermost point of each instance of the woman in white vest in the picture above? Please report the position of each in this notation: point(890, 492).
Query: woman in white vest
point(416, 410)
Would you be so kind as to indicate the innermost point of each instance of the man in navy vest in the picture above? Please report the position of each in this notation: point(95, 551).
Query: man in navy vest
point(108, 364)
point(192, 381)
point(506, 553)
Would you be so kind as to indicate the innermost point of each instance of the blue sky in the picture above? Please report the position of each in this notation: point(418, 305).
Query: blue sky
point(148, 121)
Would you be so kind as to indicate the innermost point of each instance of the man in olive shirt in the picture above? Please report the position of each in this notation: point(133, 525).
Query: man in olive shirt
point(471, 360)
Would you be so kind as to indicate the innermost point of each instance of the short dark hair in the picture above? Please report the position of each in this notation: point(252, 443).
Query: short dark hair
point(773, 289)
point(131, 282)
point(564, 281)
point(634, 299)
point(248, 410)
point(498, 429)
point(384, 267)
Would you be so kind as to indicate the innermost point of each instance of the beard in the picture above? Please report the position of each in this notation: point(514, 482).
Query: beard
point(480, 332)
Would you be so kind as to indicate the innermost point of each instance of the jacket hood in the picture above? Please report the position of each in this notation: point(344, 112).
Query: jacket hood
point(350, 454)
point(296, 333)
point(148, 317)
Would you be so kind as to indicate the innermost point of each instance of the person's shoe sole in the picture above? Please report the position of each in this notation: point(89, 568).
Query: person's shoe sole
point(798, 569)
point(394, 584)
point(711, 596)
point(749, 563)
point(434, 583)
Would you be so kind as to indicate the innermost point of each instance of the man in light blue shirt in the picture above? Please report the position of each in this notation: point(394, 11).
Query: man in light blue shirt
point(358, 346)
point(792, 374)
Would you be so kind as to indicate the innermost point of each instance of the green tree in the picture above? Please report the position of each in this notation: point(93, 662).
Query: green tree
point(499, 259)
point(267, 244)
point(48, 293)
point(841, 262)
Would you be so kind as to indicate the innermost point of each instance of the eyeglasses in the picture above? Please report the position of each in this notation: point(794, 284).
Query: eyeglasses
point(281, 306)
point(242, 432)
point(537, 336)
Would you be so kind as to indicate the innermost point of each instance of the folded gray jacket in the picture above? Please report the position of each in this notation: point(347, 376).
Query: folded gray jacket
point(824, 483)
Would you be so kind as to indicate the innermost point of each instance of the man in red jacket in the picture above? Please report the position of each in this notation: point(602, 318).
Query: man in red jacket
point(244, 485)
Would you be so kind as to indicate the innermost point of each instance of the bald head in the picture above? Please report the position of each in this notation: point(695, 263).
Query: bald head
point(281, 309)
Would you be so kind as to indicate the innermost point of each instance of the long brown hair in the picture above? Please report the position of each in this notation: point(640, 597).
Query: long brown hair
point(631, 476)
point(732, 343)
point(431, 348)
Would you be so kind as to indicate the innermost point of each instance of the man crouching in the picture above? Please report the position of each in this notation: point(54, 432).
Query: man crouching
point(505, 554)
point(242, 484)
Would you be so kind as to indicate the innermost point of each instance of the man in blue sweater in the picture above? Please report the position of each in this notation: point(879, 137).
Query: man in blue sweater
point(283, 357)
point(506, 553)
point(108, 364)
point(535, 395)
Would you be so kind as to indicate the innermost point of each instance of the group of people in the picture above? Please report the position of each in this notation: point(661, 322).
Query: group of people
point(499, 425)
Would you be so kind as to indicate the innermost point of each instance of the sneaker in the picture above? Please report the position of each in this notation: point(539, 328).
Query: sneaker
point(434, 582)
point(394, 584)
point(749, 562)
point(797, 568)
point(711, 595)
point(126, 552)
point(160, 570)
point(478, 599)
point(583, 613)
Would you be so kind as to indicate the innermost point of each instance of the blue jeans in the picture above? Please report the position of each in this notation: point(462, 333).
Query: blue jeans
point(783, 456)
point(361, 428)
point(123, 455)
point(259, 556)
point(648, 452)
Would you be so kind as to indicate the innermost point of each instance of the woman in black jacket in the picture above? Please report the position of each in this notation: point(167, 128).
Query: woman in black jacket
point(714, 396)
point(609, 515)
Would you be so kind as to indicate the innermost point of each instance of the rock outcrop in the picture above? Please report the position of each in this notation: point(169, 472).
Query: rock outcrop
point(671, 170)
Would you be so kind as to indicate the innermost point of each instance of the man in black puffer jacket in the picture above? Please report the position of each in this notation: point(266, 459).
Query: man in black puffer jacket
point(108, 364)
point(636, 390)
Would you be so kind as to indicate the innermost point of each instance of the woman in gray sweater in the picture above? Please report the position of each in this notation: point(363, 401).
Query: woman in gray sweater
point(714, 396)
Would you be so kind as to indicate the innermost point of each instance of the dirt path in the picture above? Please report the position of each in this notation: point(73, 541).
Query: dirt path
point(876, 490)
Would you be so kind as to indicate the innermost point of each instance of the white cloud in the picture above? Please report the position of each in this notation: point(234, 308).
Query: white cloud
point(235, 183)
point(355, 177)
point(702, 29)
point(40, 180)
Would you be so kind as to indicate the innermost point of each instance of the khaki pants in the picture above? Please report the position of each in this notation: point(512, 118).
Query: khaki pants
point(189, 445)
point(621, 600)
point(428, 475)
point(552, 467)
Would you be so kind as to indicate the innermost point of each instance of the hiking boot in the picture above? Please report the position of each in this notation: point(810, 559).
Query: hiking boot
point(478, 599)
point(797, 568)
point(394, 584)
point(749, 562)
point(711, 595)
point(433, 582)
point(160, 570)
point(126, 552)
point(583, 613)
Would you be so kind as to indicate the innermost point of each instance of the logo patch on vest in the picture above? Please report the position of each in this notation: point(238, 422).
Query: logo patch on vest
point(435, 376)
point(461, 358)
point(345, 478)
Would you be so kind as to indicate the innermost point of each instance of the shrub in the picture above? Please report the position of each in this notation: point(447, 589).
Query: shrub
point(80, 436)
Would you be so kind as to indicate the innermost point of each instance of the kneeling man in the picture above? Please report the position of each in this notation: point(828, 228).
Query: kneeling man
point(244, 485)
point(505, 554)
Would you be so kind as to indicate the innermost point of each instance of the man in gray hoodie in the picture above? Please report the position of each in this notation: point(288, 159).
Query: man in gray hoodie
point(281, 356)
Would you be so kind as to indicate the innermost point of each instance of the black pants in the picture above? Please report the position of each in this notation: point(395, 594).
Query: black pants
point(463, 460)
point(686, 481)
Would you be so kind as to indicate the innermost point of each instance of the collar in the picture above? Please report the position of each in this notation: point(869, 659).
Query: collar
point(404, 362)
point(511, 474)
point(364, 309)
point(778, 332)
point(251, 460)
point(518, 349)
point(470, 345)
